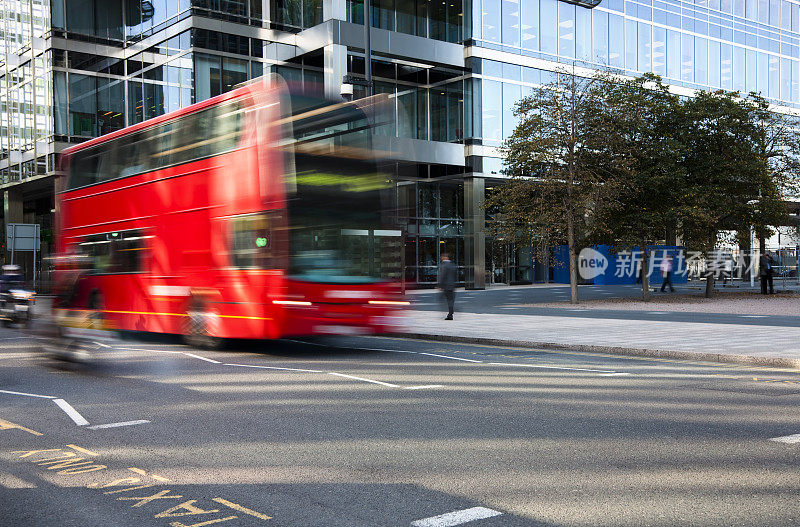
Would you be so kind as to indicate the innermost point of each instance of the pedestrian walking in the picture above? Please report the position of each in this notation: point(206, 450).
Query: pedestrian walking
point(666, 273)
point(765, 272)
point(447, 283)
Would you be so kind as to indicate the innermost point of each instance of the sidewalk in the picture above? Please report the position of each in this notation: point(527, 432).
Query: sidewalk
point(728, 343)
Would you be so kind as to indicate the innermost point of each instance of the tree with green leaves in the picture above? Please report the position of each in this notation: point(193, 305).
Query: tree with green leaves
point(740, 164)
point(555, 181)
point(643, 150)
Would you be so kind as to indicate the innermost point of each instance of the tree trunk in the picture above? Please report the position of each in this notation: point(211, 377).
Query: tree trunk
point(645, 274)
point(573, 260)
point(709, 284)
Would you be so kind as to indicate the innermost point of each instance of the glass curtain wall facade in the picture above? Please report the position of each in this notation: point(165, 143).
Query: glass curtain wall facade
point(26, 101)
point(737, 45)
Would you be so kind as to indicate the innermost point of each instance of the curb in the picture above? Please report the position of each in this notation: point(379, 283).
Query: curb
point(774, 362)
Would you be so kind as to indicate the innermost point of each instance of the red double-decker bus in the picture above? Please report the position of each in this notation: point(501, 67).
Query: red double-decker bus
point(259, 213)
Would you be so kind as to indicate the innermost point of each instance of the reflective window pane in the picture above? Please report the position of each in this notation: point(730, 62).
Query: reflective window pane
point(774, 77)
point(491, 20)
point(512, 93)
point(763, 11)
point(549, 23)
point(660, 51)
point(751, 71)
point(631, 51)
point(738, 69)
point(492, 97)
point(673, 54)
point(687, 58)
point(700, 60)
point(726, 66)
point(713, 64)
point(583, 34)
point(644, 47)
point(530, 25)
point(566, 29)
point(763, 78)
point(511, 27)
point(786, 79)
point(600, 36)
point(616, 41)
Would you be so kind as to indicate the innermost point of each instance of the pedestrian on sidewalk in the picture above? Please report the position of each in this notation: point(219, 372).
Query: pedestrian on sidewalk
point(666, 273)
point(765, 272)
point(447, 283)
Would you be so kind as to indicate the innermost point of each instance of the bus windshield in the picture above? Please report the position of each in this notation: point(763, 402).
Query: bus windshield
point(339, 209)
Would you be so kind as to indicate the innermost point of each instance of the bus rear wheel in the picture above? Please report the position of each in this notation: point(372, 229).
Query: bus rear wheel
point(196, 328)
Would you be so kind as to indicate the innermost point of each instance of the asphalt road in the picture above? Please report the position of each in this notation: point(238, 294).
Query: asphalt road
point(391, 432)
point(524, 300)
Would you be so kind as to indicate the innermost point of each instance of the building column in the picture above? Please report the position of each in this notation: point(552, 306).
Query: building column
point(334, 10)
point(474, 233)
point(12, 213)
point(335, 57)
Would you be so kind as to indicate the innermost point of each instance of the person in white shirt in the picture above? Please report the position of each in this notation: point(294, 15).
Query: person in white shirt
point(666, 272)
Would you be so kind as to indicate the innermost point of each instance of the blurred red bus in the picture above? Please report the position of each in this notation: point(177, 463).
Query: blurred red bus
point(259, 213)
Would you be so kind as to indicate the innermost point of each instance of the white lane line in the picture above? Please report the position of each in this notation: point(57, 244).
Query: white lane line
point(753, 316)
point(71, 412)
point(421, 353)
point(273, 368)
point(363, 379)
point(202, 358)
point(116, 425)
point(795, 438)
point(456, 517)
point(448, 357)
point(550, 367)
point(423, 387)
point(27, 394)
point(151, 351)
point(308, 343)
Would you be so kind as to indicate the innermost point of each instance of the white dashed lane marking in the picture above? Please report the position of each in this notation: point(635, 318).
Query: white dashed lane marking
point(27, 394)
point(795, 438)
point(456, 517)
point(117, 425)
point(71, 412)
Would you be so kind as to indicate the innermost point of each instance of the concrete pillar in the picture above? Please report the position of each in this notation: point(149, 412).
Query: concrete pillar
point(335, 58)
point(12, 213)
point(334, 10)
point(474, 233)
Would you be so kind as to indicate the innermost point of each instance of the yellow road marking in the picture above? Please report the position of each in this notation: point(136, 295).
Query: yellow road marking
point(8, 425)
point(237, 507)
point(83, 450)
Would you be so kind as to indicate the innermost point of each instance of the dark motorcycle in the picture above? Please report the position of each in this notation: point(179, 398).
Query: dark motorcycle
point(16, 307)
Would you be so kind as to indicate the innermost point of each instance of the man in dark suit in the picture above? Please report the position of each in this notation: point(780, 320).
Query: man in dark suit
point(765, 271)
point(447, 283)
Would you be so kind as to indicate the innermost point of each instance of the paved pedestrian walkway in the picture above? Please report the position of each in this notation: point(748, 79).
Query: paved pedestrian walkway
point(747, 344)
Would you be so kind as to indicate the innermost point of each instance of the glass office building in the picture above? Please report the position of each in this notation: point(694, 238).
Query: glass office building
point(74, 69)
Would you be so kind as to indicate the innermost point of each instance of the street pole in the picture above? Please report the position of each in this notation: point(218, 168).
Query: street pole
point(752, 260)
point(368, 45)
